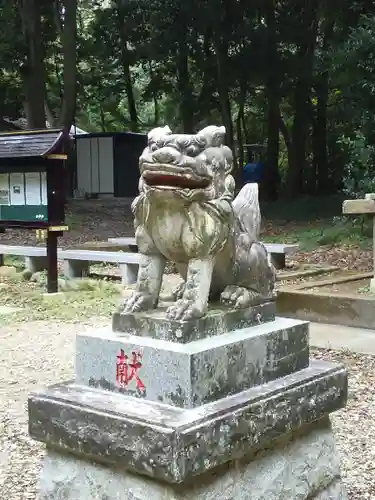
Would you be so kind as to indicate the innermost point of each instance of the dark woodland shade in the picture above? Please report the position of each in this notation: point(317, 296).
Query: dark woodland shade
point(30, 143)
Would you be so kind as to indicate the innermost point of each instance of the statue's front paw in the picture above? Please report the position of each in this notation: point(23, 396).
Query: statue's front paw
point(184, 310)
point(139, 302)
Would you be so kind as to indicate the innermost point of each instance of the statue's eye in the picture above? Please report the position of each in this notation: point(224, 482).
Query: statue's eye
point(153, 147)
point(191, 150)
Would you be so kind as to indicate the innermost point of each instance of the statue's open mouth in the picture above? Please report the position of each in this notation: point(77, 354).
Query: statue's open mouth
point(174, 178)
point(179, 181)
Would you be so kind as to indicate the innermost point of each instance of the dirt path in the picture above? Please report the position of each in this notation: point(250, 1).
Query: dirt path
point(31, 356)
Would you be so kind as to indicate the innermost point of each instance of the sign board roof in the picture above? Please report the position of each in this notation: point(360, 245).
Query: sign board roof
point(31, 143)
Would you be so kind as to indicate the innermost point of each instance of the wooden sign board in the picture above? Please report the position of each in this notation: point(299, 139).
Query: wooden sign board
point(361, 206)
point(32, 179)
point(32, 187)
point(23, 197)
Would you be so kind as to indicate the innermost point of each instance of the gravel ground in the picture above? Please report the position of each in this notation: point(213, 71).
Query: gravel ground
point(41, 353)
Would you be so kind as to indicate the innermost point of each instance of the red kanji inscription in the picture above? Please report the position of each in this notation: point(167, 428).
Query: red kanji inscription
point(128, 370)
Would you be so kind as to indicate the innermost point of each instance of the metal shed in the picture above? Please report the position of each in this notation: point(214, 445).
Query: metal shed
point(107, 163)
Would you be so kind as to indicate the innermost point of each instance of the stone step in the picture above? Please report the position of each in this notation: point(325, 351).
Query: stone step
point(218, 320)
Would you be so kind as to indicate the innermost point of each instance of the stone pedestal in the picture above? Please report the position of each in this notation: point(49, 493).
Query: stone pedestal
point(239, 414)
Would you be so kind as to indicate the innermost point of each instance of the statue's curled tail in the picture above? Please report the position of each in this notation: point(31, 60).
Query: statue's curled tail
point(247, 211)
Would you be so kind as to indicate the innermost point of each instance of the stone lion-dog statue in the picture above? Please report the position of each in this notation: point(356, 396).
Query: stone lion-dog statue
point(187, 213)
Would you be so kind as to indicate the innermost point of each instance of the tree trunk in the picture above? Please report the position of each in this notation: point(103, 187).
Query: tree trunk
point(102, 119)
point(271, 173)
point(320, 150)
point(240, 120)
point(124, 54)
point(33, 72)
point(300, 132)
point(69, 42)
point(205, 98)
point(154, 96)
point(271, 177)
point(130, 94)
point(302, 114)
point(320, 146)
point(184, 85)
point(287, 139)
point(221, 49)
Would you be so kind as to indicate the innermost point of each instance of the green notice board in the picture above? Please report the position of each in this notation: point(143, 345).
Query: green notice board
point(23, 196)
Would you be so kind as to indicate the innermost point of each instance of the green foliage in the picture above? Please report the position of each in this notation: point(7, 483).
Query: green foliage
point(312, 222)
point(147, 62)
point(359, 177)
point(327, 233)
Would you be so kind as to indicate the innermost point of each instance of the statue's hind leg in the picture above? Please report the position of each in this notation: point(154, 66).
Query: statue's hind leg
point(240, 297)
point(254, 276)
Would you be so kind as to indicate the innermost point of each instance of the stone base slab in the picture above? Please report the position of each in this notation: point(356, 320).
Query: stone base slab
point(196, 373)
point(297, 467)
point(325, 307)
point(173, 444)
point(218, 320)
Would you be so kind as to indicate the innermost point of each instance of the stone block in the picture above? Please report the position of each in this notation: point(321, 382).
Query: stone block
point(304, 466)
point(36, 264)
point(175, 445)
point(196, 373)
point(278, 260)
point(76, 268)
point(129, 273)
point(218, 320)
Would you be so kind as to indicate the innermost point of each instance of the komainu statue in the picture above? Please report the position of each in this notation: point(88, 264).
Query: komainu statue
point(186, 213)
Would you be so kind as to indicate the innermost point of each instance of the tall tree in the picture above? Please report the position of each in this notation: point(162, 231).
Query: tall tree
point(122, 14)
point(273, 93)
point(33, 71)
point(305, 38)
point(69, 50)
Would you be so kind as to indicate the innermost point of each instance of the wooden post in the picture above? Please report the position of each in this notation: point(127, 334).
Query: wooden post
point(52, 283)
point(2, 230)
point(364, 206)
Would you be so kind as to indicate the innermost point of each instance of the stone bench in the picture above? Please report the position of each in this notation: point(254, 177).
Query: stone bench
point(35, 257)
point(127, 241)
point(76, 262)
point(277, 251)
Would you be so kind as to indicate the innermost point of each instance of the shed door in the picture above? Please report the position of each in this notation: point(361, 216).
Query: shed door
point(95, 165)
point(105, 151)
point(84, 164)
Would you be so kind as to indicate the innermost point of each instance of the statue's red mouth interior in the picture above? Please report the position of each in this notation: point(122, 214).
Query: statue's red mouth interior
point(181, 181)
